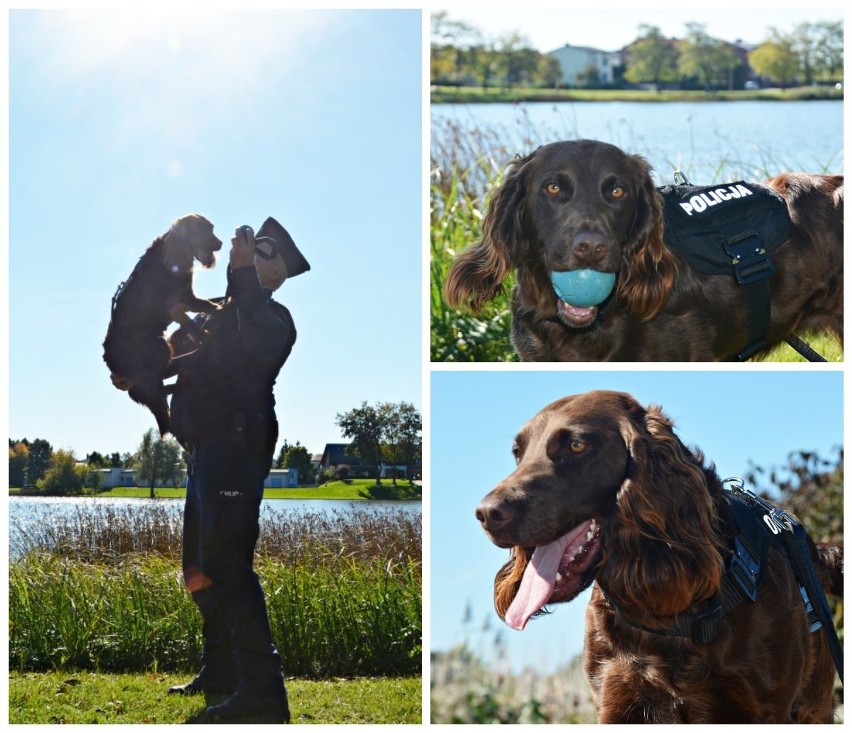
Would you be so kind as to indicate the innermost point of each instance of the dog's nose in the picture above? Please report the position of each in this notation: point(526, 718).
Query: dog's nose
point(493, 514)
point(589, 247)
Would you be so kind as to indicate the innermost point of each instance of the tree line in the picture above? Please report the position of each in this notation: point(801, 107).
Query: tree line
point(810, 53)
point(385, 432)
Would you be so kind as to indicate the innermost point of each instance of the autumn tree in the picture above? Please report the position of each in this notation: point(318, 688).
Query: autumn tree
point(63, 477)
point(19, 455)
point(775, 60)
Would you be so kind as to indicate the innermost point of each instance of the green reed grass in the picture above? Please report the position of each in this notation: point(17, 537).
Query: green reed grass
point(467, 163)
point(343, 593)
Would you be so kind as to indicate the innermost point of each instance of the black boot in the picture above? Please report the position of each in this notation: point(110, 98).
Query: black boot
point(269, 704)
point(208, 682)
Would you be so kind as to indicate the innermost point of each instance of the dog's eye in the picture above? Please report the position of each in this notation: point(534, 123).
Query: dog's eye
point(516, 452)
point(553, 189)
point(618, 192)
point(578, 446)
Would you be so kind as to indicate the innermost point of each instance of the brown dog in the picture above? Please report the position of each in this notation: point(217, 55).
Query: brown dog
point(157, 293)
point(586, 205)
point(604, 491)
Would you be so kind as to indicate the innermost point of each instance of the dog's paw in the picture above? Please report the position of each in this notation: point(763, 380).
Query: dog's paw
point(119, 382)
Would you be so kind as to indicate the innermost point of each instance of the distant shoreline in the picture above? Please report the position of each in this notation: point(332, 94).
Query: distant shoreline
point(350, 490)
point(478, 95)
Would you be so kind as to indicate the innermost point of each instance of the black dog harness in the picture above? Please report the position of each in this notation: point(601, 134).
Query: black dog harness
point(730, 229)
point(759, 524)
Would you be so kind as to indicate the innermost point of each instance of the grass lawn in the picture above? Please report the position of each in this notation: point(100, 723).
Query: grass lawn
point(349, 490)
point(88, 697)
point(474, 95)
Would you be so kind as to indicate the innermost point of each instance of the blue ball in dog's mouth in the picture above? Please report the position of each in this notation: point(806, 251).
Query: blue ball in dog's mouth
point(583, 288)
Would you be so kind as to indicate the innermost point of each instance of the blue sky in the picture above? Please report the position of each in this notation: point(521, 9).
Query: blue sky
point(738, 418)
point(609, 26)
point(121, 121)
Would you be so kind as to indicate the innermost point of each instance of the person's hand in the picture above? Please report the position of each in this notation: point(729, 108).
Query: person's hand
point(242, 248)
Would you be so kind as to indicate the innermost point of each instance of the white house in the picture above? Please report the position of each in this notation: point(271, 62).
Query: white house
point(576, 59)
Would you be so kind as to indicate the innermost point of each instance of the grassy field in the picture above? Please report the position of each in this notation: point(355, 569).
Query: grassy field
point(352, 489)
point(87, 697)
point(475, 95)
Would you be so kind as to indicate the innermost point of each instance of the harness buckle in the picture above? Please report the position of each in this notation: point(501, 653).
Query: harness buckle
point(749, 257)
point(745, 569)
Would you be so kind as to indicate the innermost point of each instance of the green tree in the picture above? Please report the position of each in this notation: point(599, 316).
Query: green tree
point(652, 58)
point(776, 60)
point(39, 461)
point(708, 59)
point(401, 436)
point(279, 461)
point(63, 477)
point(819, 48)
point(157, 460)
point(364, 427)
point(453, 55)
point(97, 460)
point(589, 77)
point(549, 71)
point(298, 457)
point(516, 60)
point(93, 478)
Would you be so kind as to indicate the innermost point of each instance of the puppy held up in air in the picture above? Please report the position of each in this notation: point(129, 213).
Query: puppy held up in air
point(157, 293)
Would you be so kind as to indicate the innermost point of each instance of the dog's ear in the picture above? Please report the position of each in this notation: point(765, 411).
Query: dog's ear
point(477, 274)
point(648, 269)
point(663, 553)
point(180, 241)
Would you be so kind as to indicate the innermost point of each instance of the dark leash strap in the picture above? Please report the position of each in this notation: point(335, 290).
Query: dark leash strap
point(804, 349)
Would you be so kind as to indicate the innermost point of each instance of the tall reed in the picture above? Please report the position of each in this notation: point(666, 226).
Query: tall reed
point(464, 168)
point(343, 593)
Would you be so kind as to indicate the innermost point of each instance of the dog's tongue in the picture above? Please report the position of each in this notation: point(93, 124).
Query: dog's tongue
point(537, 584)
point(540, 575)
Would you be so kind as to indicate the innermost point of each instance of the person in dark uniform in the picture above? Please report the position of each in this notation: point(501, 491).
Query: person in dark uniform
point(223, 413)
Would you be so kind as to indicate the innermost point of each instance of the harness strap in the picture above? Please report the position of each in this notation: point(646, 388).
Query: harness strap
point(752, 267)
point(799, 555)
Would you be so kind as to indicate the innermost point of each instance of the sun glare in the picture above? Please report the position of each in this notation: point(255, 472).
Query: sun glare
point(165, 76)
point(224, 41)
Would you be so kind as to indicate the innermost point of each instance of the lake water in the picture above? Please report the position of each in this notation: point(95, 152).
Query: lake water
point(710, 141)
